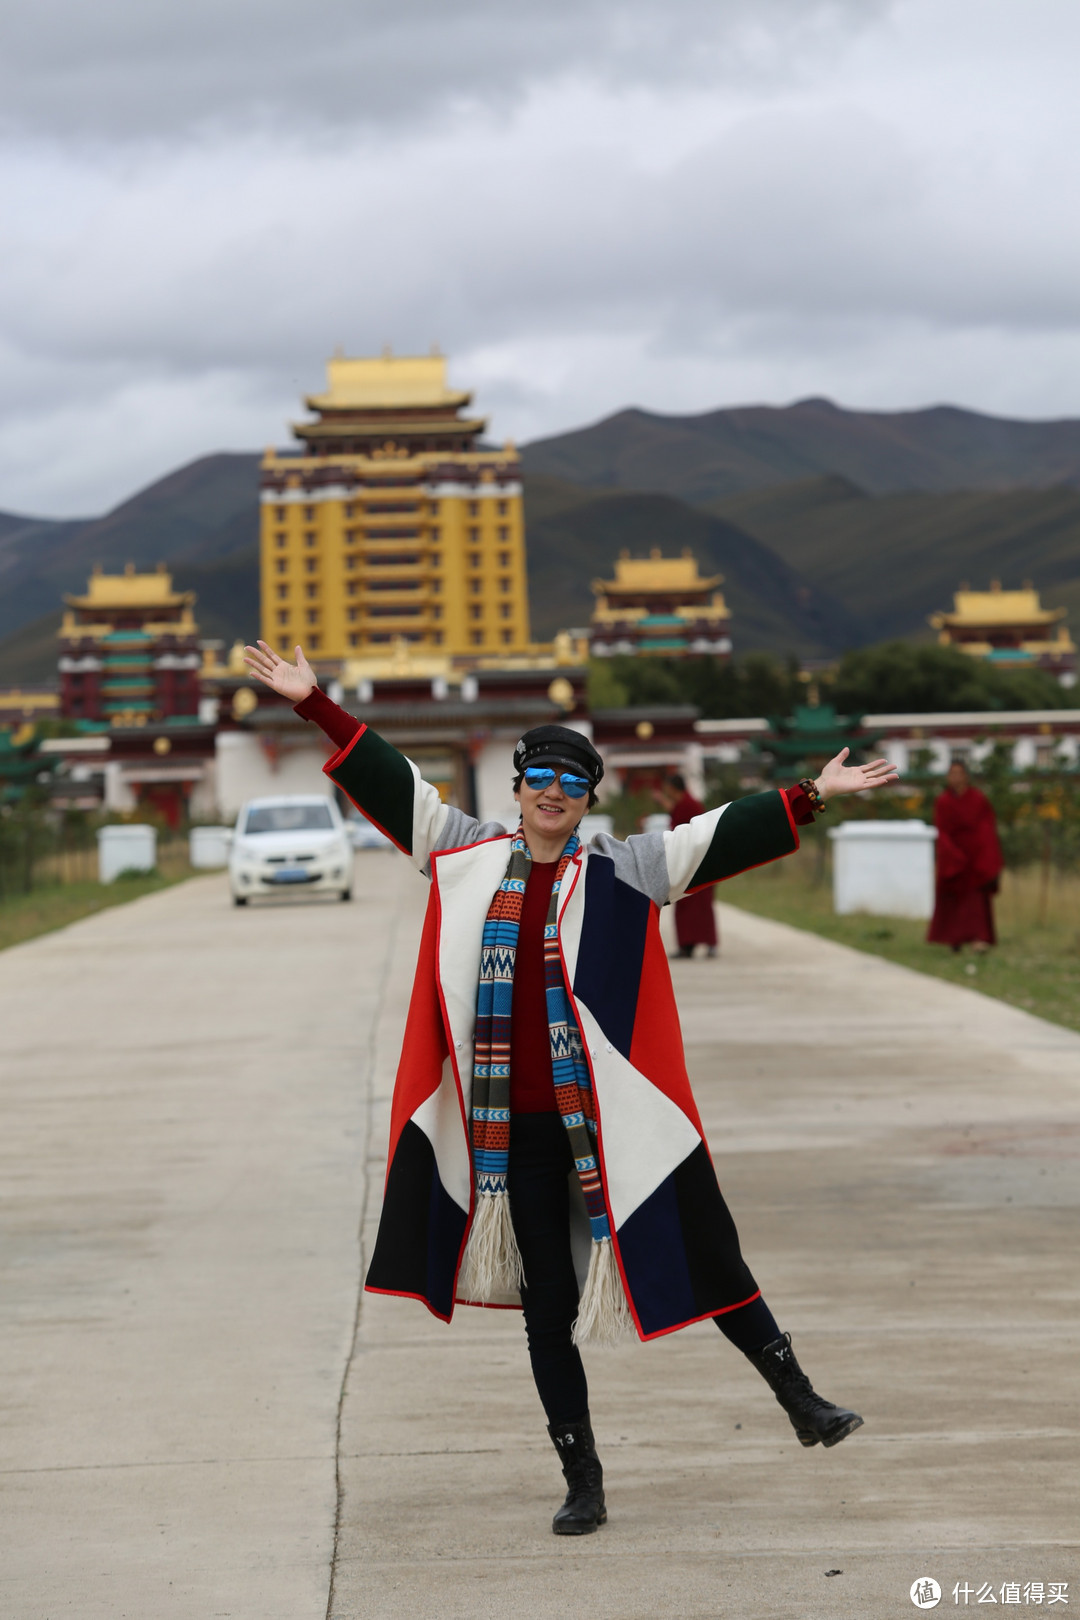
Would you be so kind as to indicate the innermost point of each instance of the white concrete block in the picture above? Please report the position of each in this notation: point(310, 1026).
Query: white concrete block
point(127, 848)
point(885, 868)
point(209, 846)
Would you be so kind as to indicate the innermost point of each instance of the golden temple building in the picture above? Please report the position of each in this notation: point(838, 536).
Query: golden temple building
point(393, 525)
point(129, 650)
point(1010, 628)
point(661, 606)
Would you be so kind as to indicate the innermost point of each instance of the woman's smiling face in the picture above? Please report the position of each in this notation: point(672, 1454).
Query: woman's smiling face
point(549, 812)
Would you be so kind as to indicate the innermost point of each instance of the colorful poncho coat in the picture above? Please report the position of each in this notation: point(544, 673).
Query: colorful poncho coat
point(674, 1239)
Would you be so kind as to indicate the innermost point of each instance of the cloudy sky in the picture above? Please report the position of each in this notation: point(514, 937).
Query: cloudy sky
point(678, 204)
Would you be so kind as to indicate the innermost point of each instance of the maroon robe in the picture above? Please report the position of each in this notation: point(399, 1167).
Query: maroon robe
point(968, 866)
point(695, 919)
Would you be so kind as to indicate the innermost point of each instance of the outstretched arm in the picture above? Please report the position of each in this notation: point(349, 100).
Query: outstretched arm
point(837, 778)
point(752, 831)
point(292, 681)
point(384, 785)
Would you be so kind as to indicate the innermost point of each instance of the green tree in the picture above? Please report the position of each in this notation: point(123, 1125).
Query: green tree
point(755, 685)
point(910, 677)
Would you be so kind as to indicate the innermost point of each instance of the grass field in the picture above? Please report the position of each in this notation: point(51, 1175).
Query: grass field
point(55, 905)
point(1036, 964)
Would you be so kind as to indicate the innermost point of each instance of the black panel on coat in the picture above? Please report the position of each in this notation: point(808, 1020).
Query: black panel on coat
point(719, 1275)
point(612, 948)
point(421, 1228)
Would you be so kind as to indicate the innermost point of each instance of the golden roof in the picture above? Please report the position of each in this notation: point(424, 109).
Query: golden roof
point(389, 381)
point(131, 590)
point(389, 428)
point(656, 573)
point(996, 606)
point(14, 699)
point(491, 463)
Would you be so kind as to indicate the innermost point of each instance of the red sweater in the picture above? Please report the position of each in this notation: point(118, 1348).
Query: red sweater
point(532, 1085)
point(531, 1082)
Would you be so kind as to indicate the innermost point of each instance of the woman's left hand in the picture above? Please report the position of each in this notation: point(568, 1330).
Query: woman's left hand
point(838, 778)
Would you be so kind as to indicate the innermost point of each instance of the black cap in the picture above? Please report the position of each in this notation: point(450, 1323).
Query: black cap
point(558, 745)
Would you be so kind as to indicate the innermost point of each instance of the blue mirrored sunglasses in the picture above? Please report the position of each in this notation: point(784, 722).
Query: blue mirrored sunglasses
point(542, 776)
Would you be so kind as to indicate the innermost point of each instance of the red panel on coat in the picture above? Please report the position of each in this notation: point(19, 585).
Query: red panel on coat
point(656, 1050)
point(424, 1048)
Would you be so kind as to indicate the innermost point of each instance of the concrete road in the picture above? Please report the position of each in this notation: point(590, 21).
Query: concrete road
point(195, 1106)
point(181, 1162)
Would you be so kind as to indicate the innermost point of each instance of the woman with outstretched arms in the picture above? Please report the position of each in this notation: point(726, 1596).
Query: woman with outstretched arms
point(545, 1148)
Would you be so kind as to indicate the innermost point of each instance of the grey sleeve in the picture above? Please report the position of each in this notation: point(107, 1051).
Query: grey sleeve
point(640, 861)
point(460, 830)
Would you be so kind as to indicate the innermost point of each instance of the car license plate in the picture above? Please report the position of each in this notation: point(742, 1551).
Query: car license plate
point(291, 874)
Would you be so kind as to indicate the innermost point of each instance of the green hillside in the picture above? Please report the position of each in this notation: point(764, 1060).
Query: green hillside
point(28, 655)
point(833, 529)
point(200, 514)
point(894, 559)
point(719, 453)
point(574, 537)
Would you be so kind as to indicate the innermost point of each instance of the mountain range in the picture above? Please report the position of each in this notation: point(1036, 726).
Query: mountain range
point(831, 528)
point(727, 452)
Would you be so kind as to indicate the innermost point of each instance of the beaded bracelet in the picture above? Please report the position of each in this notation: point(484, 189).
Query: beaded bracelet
point(810, 788)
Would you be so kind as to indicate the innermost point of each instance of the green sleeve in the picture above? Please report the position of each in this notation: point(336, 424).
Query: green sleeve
point(750, 832)
point(380, 782)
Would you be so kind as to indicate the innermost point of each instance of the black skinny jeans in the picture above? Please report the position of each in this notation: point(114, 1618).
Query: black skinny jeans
point(539, 1172)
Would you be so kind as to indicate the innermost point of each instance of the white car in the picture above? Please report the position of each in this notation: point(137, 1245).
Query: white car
point(298, 840)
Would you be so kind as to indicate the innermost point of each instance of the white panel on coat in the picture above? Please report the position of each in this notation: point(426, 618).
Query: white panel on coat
point(571, 913)
point(685, 848)
point(439, 1117)
point(466, 880)
point(429, 817)
point(645, 1135)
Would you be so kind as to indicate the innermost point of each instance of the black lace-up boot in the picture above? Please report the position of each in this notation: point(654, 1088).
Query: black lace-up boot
point(584, 1510)
point(812, 1418)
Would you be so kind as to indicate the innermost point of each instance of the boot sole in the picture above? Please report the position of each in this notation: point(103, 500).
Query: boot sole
point(806, 1437)
point(581, 1529)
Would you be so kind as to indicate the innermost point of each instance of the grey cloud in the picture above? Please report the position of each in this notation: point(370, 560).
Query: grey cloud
point(122, 68)
point(240, 257)
point(719, 214)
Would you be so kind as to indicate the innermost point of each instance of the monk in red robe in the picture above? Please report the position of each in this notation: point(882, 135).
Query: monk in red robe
point(968, 865)
point(695, 919)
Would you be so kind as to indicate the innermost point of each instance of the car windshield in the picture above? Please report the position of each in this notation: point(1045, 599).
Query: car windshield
point(275, 818)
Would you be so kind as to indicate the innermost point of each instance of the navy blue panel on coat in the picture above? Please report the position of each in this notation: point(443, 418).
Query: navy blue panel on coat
point(681, 1251)
point(654, 1258)
point(612, 948)
point(421, 1228)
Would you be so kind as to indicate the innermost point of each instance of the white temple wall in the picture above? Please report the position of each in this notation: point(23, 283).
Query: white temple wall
point(246, 770)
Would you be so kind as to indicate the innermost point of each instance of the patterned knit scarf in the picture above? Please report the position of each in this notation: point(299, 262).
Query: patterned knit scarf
point(492, 1264)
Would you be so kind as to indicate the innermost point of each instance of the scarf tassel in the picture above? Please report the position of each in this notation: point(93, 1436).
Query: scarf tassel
point(603, 1314)
point(491, 1265)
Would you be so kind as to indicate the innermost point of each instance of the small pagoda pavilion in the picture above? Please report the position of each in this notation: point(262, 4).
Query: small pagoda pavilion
point(128, 650)
point(804, 741)
point(1010, 628)
point(661, 606)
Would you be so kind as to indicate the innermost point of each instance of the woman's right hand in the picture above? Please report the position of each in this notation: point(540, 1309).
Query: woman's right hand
point(293, 681)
